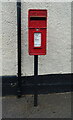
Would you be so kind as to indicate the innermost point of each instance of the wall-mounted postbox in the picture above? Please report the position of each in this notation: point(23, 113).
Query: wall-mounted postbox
point(37, 29)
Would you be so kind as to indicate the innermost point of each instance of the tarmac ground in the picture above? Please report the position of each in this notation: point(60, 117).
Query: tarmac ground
point(54, 105)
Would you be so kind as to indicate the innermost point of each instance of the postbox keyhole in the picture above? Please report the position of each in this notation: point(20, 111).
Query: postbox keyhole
point(37, 29)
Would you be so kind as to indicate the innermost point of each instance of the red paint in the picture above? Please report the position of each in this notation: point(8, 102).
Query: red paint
point(37, 19)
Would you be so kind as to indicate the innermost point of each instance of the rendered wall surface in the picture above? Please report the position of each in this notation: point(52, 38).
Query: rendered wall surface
point(0, 38)
point(9, 39)
point(58, 58)
point(72, 37)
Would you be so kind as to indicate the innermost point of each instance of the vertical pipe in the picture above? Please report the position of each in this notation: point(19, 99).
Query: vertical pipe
point(35, 74)
point(19, 45)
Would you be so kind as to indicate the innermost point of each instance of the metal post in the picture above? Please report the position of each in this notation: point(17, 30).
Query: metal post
point(19, 46)
point(35, 74)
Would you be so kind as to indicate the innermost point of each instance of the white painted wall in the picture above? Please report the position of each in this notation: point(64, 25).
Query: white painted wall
point(58, 58)
point(9, 39)
point(0, 38)
point(0, 60)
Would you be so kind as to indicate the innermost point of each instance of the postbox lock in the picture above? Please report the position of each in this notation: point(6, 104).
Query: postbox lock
point(37, 29)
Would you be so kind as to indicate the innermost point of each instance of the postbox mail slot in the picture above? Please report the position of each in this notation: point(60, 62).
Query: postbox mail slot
point(37, 18)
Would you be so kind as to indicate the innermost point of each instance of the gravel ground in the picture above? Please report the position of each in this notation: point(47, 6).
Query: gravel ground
point(55, 105)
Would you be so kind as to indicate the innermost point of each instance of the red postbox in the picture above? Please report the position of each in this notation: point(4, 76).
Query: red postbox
point(37, 29)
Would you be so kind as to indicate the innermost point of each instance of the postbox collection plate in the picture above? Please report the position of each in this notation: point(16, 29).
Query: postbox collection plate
point(37, 39)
